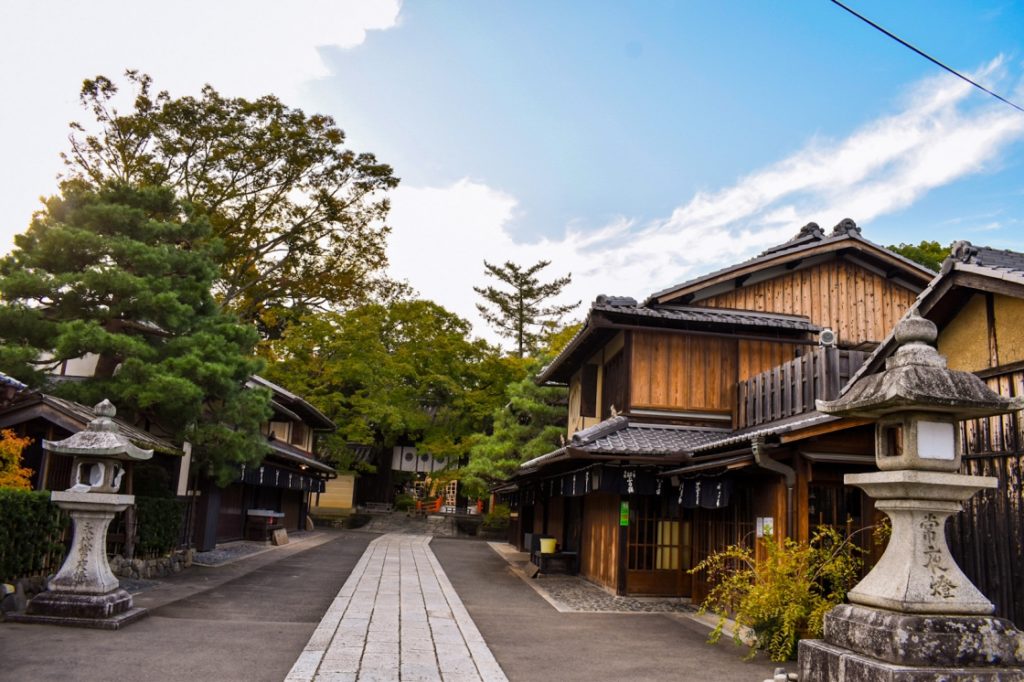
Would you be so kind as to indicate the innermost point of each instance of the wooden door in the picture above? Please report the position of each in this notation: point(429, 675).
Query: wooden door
point(657, 548)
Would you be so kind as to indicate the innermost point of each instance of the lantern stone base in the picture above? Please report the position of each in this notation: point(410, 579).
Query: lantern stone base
point(109, 611)
point(862, 644)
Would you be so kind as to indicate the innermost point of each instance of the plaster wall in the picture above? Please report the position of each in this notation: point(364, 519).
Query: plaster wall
point(964, 341)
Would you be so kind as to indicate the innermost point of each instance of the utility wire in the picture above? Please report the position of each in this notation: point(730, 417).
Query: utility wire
point(933, 60)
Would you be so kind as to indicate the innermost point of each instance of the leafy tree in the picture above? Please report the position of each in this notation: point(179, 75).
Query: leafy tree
point(531, 422)
point(12, 474)
point(519, 313)
point(928, 254)
point(124, 275)
point(385, 373)
point(299, 215)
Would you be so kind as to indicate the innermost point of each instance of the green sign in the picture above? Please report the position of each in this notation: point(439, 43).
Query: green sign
point(624, 513)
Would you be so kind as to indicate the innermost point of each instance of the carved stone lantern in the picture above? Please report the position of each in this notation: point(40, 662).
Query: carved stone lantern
point(916, 615)
point(85, 592)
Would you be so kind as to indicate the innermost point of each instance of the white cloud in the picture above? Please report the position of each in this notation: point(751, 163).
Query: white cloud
point(246, 48)
point(441, 235)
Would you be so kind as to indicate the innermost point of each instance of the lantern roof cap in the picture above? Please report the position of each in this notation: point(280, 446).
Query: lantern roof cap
point(101, 438)
point(916, 378)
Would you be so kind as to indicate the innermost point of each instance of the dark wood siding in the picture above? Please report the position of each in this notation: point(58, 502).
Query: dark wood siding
point(987, 540)
point(613, 393)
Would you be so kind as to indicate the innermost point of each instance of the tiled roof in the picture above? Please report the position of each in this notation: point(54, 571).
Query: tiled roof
point(776, 428)
point(622, 436)
point(651, 439)
point(809, 238)
point(74, 415)
point(1000, 260)
point(12, 382)
point(700, 314)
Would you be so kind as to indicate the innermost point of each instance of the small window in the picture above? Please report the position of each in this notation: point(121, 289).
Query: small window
point(299, 431)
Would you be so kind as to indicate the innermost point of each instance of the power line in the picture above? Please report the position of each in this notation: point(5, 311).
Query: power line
point(933, 60)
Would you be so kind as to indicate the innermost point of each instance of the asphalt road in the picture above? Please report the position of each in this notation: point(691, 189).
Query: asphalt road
point(244, 621)
point(533, 641)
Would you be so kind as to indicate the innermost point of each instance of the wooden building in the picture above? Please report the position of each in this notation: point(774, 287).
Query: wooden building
point(977, 302)
point(691, 415)
point(282, 483)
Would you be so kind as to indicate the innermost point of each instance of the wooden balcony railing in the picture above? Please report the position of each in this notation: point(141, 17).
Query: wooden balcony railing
point(791, 388)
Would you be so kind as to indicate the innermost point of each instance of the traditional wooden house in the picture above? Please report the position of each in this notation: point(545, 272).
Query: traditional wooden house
point(691, 415)
point(280, 488)
point(40, 417)
point(977, 302)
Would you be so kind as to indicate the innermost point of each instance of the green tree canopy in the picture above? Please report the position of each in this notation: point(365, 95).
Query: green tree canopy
point(124, 275)
point(530, 423)
point(518, 312)
point(402, 371)
point(928, 254)
point(299, 215)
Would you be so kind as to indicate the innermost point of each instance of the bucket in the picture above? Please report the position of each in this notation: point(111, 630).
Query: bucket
point(547, 545)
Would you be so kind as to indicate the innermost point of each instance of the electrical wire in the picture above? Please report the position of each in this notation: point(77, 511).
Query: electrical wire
point(933, 60)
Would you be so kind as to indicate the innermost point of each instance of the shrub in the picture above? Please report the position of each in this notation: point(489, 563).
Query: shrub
point(159, 522)
point(30, 534)
point(784, 596)
point(497, 518)
point(404, 502)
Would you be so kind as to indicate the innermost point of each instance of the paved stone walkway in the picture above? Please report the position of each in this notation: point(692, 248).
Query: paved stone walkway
point(397, 617)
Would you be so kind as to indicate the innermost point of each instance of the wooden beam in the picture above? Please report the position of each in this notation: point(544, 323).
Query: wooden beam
point(822, 429)
point(721, 335)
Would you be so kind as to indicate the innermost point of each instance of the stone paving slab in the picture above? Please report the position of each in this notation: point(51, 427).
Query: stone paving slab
point(397, 617)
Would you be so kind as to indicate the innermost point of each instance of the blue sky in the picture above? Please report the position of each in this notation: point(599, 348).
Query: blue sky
point(634, 144)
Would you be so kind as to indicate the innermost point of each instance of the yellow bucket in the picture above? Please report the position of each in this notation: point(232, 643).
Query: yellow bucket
point(547, 545)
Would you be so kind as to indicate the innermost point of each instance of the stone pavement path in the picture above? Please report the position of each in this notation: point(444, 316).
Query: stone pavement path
point(396, 617)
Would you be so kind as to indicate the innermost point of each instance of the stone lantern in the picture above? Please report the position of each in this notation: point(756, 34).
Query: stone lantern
point(916, 616)
point(85, 592)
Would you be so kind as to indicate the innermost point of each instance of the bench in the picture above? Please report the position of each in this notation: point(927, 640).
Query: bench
point(557, 562)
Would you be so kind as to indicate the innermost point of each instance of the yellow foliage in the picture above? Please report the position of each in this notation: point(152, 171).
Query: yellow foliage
point(12, 474)
point(784, 596)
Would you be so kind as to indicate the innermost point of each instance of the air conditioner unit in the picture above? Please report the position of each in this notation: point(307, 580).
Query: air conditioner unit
point(827, 338)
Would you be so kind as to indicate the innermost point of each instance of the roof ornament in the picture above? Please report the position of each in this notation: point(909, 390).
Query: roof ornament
point(963, 251)
point(846, 226)
point(809, 230)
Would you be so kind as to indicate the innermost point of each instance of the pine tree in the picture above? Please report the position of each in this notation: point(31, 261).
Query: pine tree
point(520, 314)
point(124, 275)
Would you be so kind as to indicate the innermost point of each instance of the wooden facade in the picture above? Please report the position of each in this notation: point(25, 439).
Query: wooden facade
point(857, 302)
point(753, 363)
point(665, 369)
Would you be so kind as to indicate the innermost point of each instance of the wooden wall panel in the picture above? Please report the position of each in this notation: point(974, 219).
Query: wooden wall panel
point(859, 305)
point(680, 371)
point(600, 539)
point(758, 356)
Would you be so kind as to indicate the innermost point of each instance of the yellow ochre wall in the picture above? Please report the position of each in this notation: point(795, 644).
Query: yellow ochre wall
point(965, 339)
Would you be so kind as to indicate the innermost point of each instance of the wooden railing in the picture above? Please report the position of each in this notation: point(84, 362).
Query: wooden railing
point(791, 388)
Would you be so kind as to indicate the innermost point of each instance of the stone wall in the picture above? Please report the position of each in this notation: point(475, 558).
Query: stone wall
point(161, 567)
